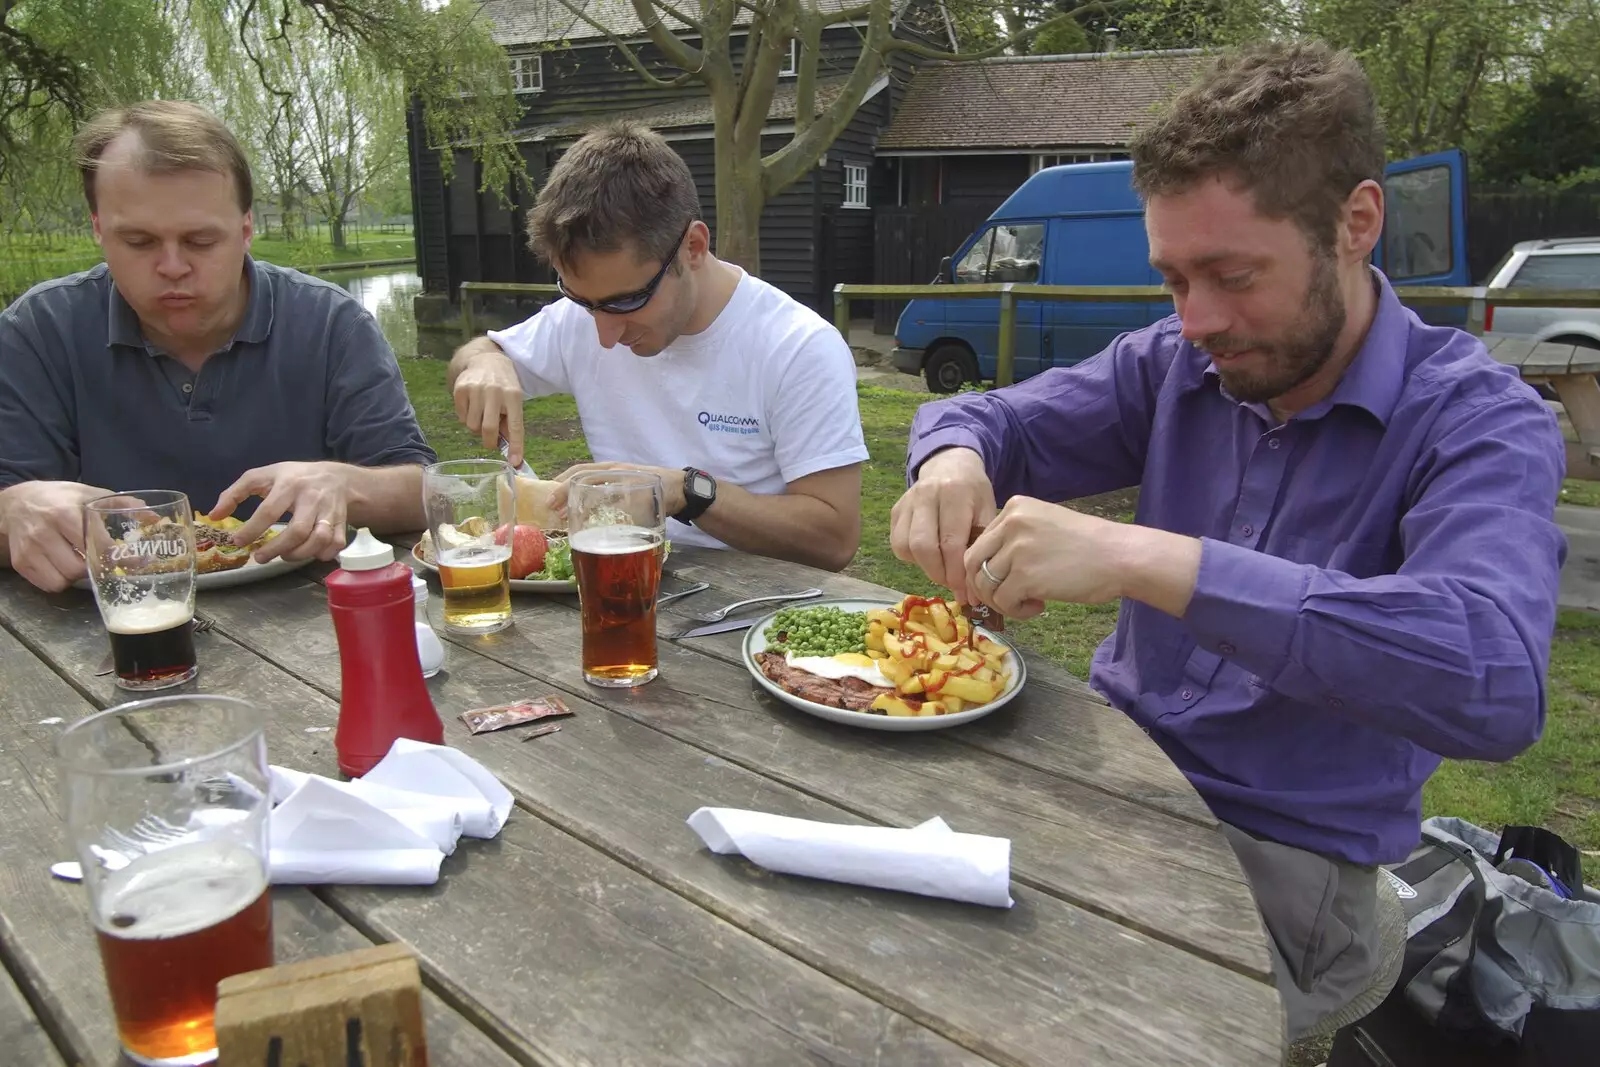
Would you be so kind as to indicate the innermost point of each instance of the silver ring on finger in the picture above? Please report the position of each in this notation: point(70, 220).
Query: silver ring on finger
point(989, 574)
point(323, 522)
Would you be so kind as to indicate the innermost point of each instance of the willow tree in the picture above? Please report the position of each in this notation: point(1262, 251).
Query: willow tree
point(742, 84)
point(62, 59)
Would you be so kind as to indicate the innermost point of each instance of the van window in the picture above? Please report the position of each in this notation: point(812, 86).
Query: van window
point(1417, 230)
point(1573, 271)
point(1005, 253)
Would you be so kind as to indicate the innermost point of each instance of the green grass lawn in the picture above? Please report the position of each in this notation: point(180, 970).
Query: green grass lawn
point(1554, 784)
point(26, 259)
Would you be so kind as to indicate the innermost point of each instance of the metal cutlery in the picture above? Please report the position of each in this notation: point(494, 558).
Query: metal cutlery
point(697, 587)
point(723, 627)
point(202, 623)
point(723, 613)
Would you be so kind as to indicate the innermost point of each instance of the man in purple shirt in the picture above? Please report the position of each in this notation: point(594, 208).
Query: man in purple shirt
point(1343, 565)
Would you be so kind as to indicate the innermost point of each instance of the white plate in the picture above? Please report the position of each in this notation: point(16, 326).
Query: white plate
point(755, 640)
point(250, 572)
point(518, 585)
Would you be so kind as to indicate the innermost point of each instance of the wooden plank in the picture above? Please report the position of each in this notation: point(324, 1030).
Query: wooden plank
point(1585, 360)
point(44, 922)
point(516, 913)
point(21, 1034)
point(1580, 396)
point(1075, 733)
point(627, 788)
point(1512, 351)
point(1548, 359)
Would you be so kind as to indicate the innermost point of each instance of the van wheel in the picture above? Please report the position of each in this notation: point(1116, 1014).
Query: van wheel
point(948, 368)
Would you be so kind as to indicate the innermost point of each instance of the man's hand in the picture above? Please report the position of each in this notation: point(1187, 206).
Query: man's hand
point(932, 523)
point(317, 493)
point(43, 527)
point(488, 396)
point(672, 498)
point(1037, 552)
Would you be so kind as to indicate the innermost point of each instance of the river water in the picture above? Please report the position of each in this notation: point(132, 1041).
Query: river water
point(388, 293)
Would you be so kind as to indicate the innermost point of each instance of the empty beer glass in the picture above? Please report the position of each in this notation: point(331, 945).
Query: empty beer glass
point(617, 533)
point(139, 548)
point(472, 507)
point(165, 803)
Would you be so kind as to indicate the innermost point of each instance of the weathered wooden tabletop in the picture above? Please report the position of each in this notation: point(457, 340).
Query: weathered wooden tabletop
point(596, 929)
point(1570, 370)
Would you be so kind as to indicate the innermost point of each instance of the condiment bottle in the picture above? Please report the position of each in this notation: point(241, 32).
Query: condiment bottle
point(430, 650)
point(982, 614)
point(382, 696)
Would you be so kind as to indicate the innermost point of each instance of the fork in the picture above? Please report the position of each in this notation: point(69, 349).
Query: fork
point(202, 623)
point(722, 613)
point(697, 587)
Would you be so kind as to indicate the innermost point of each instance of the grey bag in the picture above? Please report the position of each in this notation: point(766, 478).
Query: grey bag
point(1486, 947)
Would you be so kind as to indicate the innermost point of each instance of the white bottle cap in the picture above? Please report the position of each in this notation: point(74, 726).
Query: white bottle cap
point(419, 589)
point(366, 553)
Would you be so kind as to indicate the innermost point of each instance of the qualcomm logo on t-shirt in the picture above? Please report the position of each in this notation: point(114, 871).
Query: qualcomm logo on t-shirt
point(729, 423)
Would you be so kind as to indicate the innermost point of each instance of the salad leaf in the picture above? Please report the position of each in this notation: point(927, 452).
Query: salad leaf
point(557, 564)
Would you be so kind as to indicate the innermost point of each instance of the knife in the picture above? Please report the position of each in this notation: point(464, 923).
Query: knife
point(722, 627)
point(505, 453)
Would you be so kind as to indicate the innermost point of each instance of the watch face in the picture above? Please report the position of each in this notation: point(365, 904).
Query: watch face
point(701, 484)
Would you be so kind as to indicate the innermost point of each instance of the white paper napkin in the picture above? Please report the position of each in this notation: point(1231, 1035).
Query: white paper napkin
point(394, 826)
point(930, 859)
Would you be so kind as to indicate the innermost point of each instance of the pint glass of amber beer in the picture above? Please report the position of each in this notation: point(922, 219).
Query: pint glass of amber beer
point(617, 534)
point(139, 548)
point(165, 802)
point(471, 505)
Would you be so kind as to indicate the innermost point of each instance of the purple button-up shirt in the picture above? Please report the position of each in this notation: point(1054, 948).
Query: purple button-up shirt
point(1378, 574)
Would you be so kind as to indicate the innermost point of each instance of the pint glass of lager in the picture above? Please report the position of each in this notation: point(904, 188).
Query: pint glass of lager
point(140, 552)
point(165, 802)
point(471, 506)
point(617, 533)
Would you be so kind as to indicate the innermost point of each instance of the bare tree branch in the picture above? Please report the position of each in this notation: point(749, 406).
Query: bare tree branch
point(676, 51)
point(652, 80)
point(896, 44)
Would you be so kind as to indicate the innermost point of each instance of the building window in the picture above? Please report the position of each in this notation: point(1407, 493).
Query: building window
point(791, 65)
point(1056, 159)
point(527, 72)
point(855, 185)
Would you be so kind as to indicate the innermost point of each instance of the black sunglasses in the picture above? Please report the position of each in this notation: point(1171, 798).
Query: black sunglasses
point(627, 303)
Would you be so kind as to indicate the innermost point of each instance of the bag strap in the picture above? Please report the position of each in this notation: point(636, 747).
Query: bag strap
point(1459, 1011)
point(1546, 848)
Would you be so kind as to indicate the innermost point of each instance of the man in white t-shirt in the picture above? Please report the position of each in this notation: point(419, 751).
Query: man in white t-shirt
point(741, 399)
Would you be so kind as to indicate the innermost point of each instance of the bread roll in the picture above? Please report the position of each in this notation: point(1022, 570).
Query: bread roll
point(534, 506)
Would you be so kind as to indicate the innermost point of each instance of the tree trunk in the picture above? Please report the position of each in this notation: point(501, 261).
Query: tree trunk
point(739, 204)
point(336, 232)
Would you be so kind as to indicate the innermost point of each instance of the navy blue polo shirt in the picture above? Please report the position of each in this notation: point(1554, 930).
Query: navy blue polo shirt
point(85, 398)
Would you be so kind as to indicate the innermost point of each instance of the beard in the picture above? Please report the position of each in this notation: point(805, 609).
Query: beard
point(1294, 358)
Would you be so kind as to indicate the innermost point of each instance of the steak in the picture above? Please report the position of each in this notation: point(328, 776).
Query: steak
point(850, 694)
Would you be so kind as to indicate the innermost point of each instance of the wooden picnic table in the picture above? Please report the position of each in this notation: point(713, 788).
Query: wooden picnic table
point(1570, 370)
point(597, 929)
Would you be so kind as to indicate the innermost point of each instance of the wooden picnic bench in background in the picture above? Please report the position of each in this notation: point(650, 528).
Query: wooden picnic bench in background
point(1569, 370)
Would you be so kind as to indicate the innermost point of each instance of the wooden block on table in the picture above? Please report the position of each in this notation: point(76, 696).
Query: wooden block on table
point(356, 1009)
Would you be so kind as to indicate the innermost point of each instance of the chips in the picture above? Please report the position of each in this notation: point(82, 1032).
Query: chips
point(930, 650)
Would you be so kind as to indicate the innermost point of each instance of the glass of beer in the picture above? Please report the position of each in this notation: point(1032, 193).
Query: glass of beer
point(139, 548)
point(165, 802)
point(472, 507)
point(617, 532)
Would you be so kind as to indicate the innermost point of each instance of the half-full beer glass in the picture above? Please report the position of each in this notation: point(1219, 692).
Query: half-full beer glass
point(166, 805)
point(140, 552)
point(617, 534)
point(472, 507)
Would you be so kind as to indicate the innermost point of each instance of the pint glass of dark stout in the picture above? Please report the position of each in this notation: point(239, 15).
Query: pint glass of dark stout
point(617, 533)
point(165, 802)
point(140, 551)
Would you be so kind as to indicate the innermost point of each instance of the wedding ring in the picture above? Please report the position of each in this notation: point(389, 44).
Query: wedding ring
point(323, 522)
point(989, 574)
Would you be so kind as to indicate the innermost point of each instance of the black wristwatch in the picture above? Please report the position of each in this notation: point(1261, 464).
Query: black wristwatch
point(699, 493)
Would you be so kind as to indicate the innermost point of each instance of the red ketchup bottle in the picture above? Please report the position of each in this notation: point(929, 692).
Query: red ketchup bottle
point(382, 695)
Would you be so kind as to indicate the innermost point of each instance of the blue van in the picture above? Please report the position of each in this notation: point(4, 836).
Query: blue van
point(1081, 224)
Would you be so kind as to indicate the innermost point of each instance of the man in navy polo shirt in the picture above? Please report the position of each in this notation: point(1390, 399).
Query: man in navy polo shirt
point(182, 363)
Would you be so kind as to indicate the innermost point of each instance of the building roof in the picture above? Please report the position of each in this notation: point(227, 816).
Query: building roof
point(549, 21)
point(679, 114)
point(1036, 101)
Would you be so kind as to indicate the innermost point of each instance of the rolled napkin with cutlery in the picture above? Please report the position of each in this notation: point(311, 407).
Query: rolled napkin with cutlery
point(929, 859)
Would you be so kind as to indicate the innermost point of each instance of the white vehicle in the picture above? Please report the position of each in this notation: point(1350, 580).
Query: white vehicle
point(1561, 263)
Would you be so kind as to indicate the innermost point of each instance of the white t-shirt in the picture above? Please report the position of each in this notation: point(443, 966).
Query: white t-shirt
point(763, 396)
